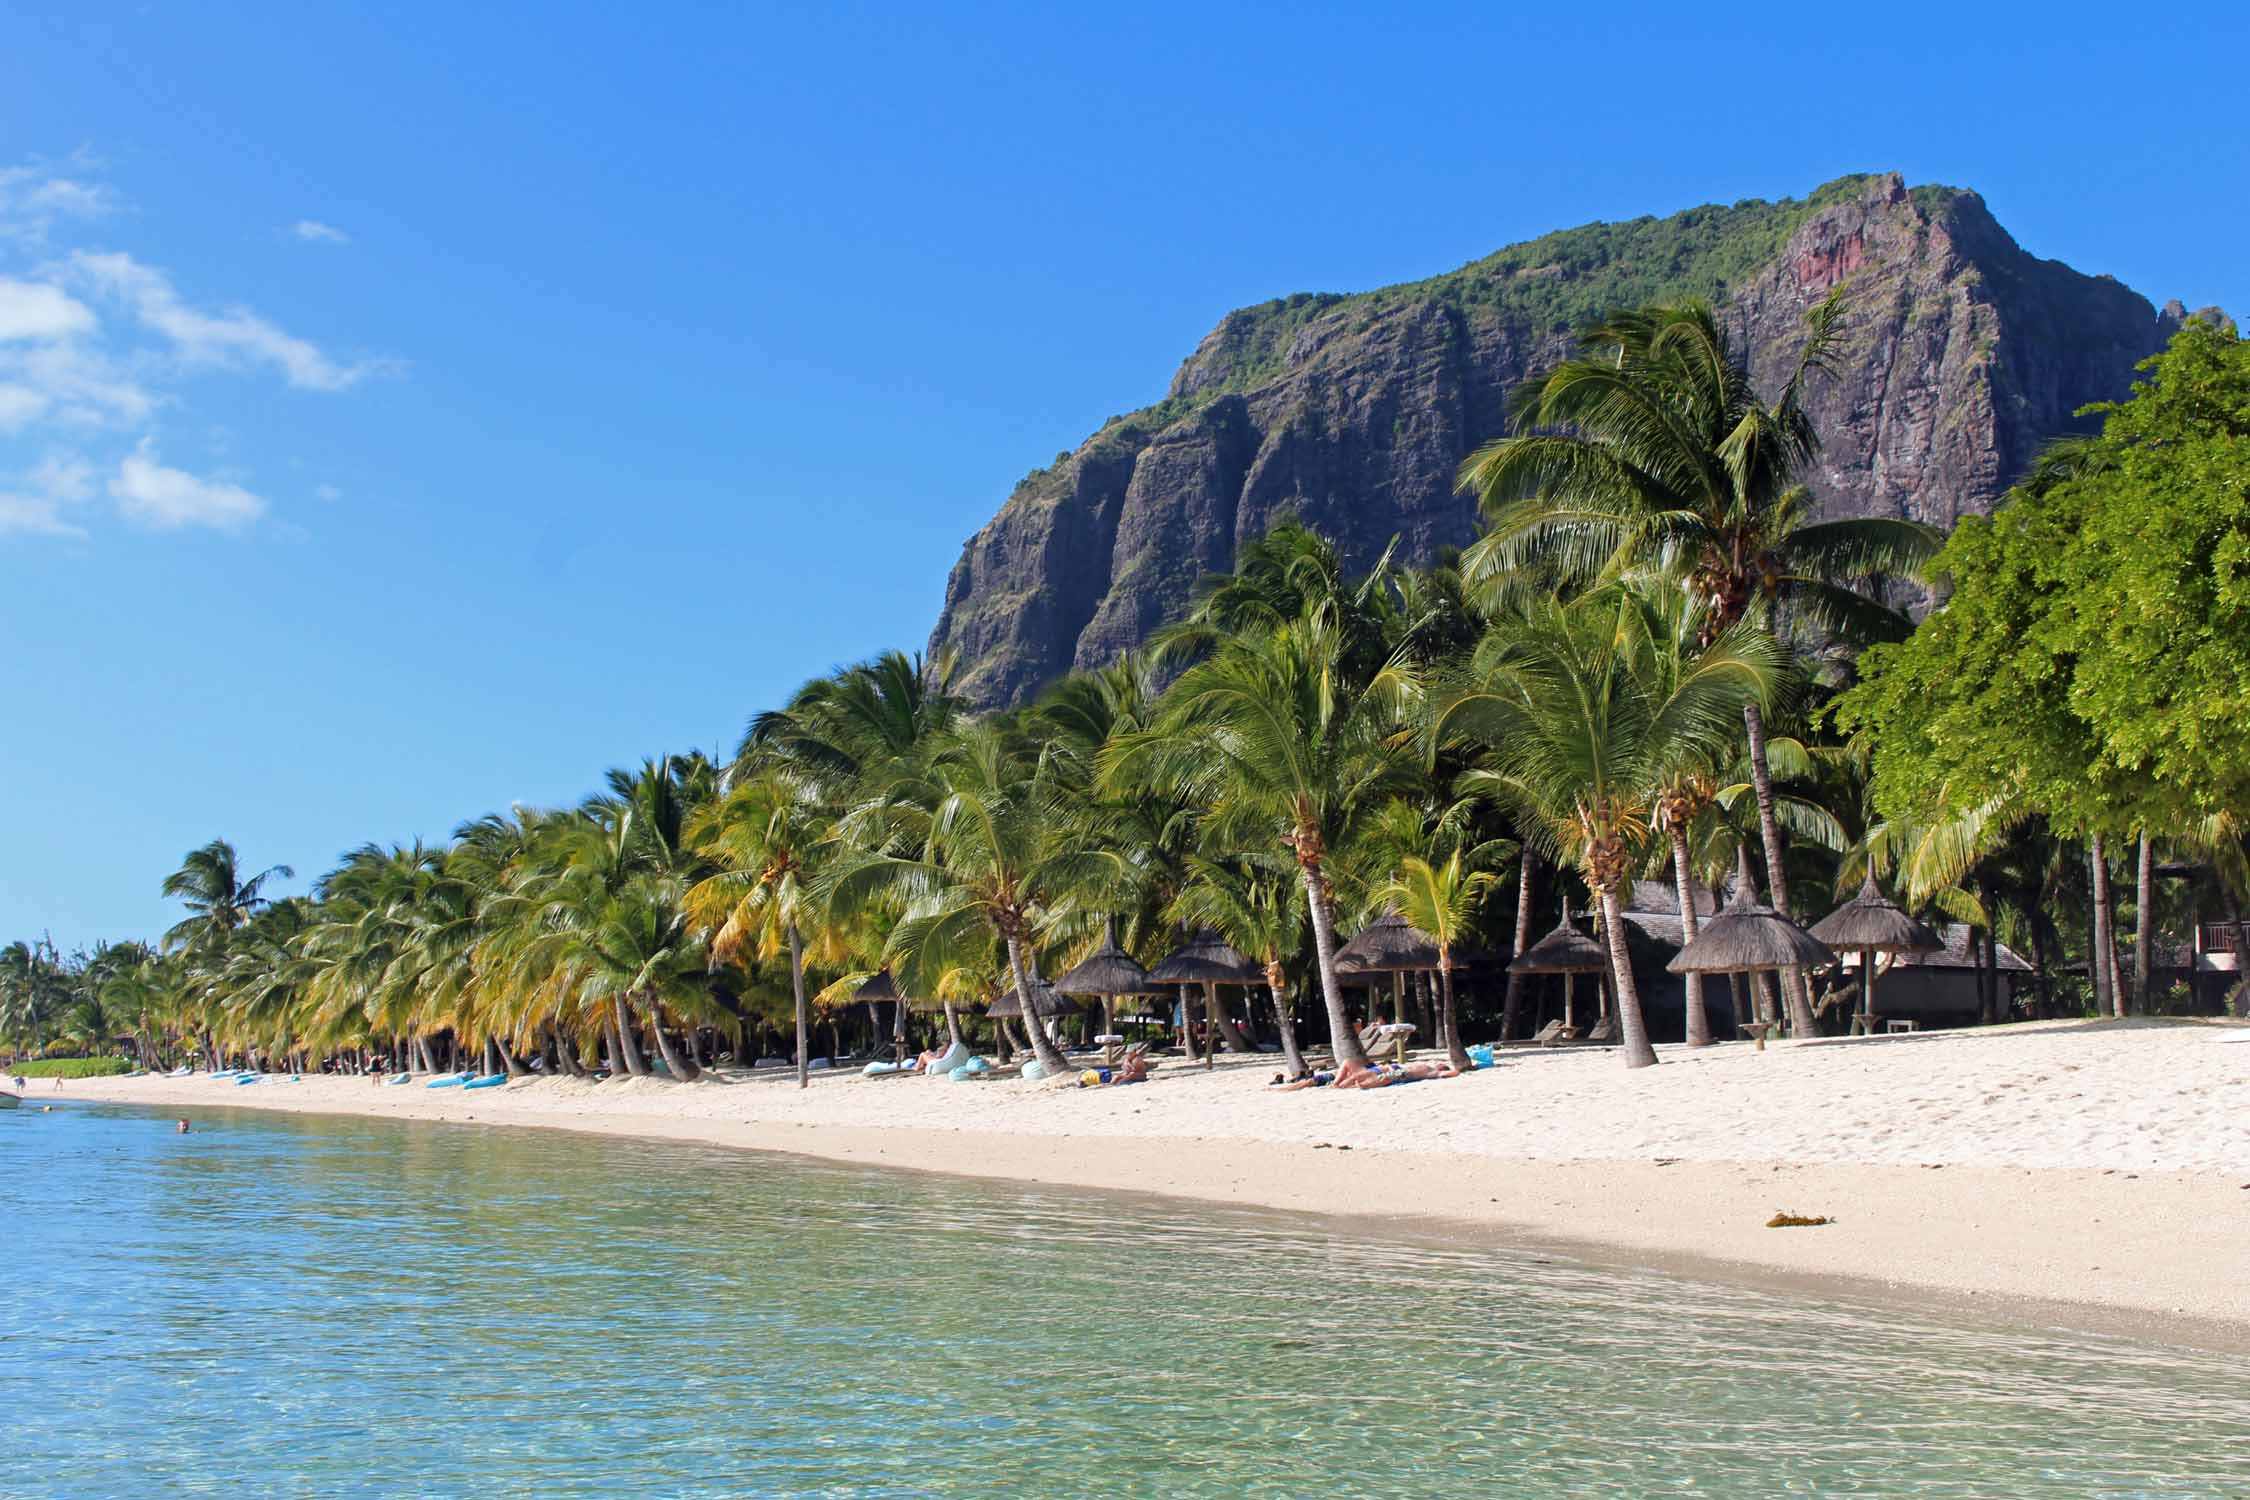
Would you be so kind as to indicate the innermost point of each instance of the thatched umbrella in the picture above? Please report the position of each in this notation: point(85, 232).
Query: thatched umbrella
point(1209, 960)
point(1389, 945)
point(1873, 923)
point(1565, 951)
point(883, 989)
point(1750, 937)
point(1006, 1007)
point(1109, 971)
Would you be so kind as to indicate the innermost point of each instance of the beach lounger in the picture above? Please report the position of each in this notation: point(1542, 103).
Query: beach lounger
point(1604, 1030)
point(1556, 1034)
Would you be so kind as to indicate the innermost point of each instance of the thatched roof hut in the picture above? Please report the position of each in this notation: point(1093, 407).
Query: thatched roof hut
point(1566, 950)
point(1748, 936)
point(1043, 999)
point(1387, 945)
point(1206, 958)
point(1108, 970)
point(1873, 922)
point(881, 988)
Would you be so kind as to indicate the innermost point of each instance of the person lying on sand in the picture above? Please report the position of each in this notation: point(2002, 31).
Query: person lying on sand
point(1383, 1075)
point(1132, 1068)
point(1345, 1077)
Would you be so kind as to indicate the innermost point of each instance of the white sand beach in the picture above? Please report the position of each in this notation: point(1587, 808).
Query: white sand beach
point(2089, 1174)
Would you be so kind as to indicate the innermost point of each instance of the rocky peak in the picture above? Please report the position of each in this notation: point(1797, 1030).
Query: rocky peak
point(1963, 355)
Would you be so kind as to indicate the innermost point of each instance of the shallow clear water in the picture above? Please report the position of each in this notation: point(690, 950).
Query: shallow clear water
point(295, 1306)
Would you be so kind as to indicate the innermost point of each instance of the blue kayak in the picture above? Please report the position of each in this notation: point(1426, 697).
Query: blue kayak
point(489, 1081)
point(448, 1081)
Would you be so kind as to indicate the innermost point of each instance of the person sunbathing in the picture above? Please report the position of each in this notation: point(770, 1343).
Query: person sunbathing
point(1132, 1068)
point(1383, 1075)
point(1347, 1076)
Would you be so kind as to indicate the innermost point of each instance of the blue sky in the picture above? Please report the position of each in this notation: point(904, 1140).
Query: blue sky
point(405, 411)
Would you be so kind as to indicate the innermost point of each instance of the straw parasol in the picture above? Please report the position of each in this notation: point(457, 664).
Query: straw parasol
point(1873, 923)
point(1205, 958)
point(1749, 937)
point(1565, 951)
point(1387, 945)
point(1044, 1000)
point(1109, 971)
point(884, 990)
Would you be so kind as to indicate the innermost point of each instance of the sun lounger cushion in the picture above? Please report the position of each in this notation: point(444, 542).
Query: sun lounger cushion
point(878, 1069)
point(950, 1059)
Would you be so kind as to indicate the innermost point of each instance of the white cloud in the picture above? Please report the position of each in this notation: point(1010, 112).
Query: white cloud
point(37, 310)
point(56, 481)
point(34, 515)
point(220, 338)
point(65, 476)
point(312, 231)
point(78, 385)
point(21, 405)
point(34, 198)
point(168, 499)
point(328, 493)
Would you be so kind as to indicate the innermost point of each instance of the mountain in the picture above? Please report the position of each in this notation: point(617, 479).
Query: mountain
point(1963, 355)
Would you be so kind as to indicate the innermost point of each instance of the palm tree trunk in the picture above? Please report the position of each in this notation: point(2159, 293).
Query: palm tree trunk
point(1293, 1059)
point(1343, 1041)
point(628, 1050)
point(2144, 924)
point(1448, 1017)
point(508, 1061)
point(676, 1062)
point(1035, 1025)
point(1683, 876)
point(898, 1029)
point(1511, 1008)
point(952, 1028)
point(804, 1009)
point(1229, 1034)
point(1187, 1027)
point(2104, 957)
point(1631, 1029)
point(1793, 988)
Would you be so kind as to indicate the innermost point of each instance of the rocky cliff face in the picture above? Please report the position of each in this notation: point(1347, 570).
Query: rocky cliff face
point(1963, 355)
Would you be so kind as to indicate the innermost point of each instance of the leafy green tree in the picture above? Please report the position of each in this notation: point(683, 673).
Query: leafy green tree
point(2092, 658)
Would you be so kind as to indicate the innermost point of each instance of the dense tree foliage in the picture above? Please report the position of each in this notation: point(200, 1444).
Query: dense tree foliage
point(1591, 688)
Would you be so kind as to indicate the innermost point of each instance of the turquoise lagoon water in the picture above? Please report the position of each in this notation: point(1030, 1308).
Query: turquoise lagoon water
point(294, 1306)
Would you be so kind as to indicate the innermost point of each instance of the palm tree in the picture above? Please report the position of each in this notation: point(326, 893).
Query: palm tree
point(1653, 448)
point(1251, 901)
point(1580, 729)
point(219, 898)
point(1276, 740)
point(1439, 901)
point(991, 855)
point(766, 836)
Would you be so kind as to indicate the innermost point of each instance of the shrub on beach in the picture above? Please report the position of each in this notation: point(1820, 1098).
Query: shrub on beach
point(73, 1067)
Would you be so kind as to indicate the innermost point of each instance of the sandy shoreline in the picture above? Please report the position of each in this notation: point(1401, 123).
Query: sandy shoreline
point(2094, 1176)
